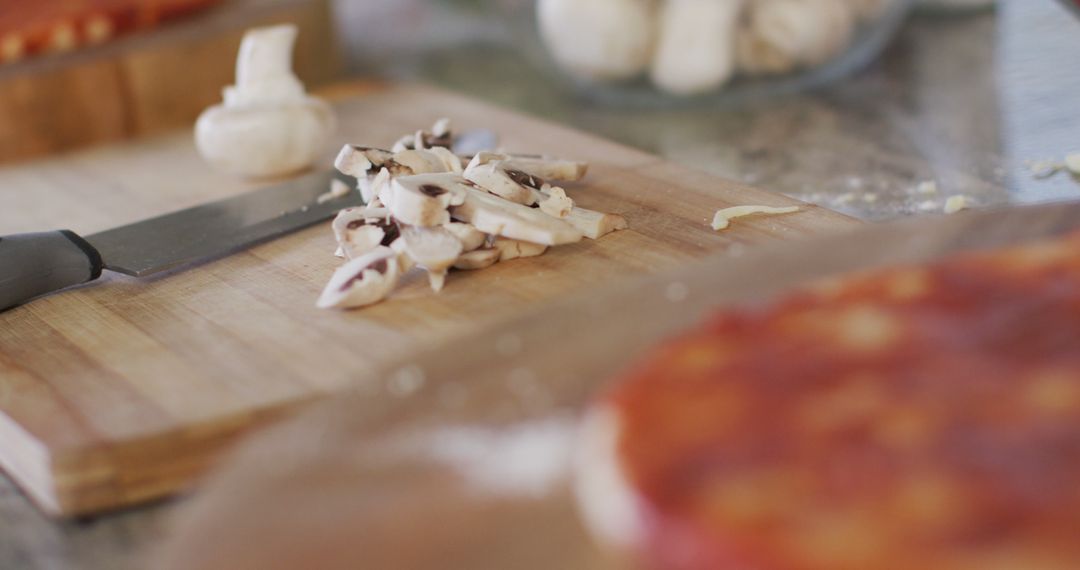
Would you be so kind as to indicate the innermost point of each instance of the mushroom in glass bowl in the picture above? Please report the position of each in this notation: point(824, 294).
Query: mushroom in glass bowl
point(657, 52)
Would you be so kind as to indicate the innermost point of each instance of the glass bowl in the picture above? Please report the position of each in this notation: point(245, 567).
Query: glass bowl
point(558, 37)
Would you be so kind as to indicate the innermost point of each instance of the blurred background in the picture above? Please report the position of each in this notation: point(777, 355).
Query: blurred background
point(864, 111)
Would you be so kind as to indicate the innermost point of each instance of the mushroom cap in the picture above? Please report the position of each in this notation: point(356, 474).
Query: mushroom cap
point(263, 142)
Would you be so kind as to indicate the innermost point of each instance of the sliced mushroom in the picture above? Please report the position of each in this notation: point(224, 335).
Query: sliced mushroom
point(696, 47)
point(504, 181)
point(492, 215)
point(556, 203)
point(405, 263)
point(361, 161)
point(406, 142)
point(418, 161)
point(441, 128)
point(590, 223)
point(595, 225)
point(470, 237)
point(478, 259)
point(451, 161)
point(365, 280)
point(513, 249)
point(371, 186)
point(434, 249)
point(422, 200)
point(548, 168)
point(338, 189)
point(360, 230)
point(440, 136)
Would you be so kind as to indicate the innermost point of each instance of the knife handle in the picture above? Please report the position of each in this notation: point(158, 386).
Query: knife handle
point(35, 264)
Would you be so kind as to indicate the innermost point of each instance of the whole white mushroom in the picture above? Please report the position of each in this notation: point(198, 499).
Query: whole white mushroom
point(599, 39)
point(696, 47)
point(267, 125)
point(808, 32)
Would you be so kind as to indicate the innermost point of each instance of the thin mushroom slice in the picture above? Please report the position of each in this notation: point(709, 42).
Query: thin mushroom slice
point(556, 203)
point(595, 225)
point(505, 182)
point(360, 230)
point(451, 161)
point(338, 189)
point(361, 161)
point(513, 249)
point(410, 162)
point(549, 168)
point(405, 263)
point(363, 281)
point(370, 186)
point(423, 199)
point(495, 216)
point(434, 249)
point(440, 136)
point(470, 237)
point(364, 162)
point(478, 259)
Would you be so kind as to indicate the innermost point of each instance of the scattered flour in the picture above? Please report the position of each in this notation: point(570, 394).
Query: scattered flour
point(524, 459)
point(527, 459)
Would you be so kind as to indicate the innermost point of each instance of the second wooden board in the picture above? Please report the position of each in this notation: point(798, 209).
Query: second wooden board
point(123, 391)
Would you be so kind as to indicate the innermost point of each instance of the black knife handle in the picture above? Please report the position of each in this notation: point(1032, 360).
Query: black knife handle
point(32, 265)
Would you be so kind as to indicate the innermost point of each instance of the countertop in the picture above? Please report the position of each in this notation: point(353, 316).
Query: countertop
point(964, 102)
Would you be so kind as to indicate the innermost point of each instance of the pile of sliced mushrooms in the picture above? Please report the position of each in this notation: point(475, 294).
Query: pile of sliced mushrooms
point(690, 47)
point(427, 207)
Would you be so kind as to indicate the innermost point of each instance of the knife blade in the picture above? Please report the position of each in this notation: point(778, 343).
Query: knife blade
point(36, 264)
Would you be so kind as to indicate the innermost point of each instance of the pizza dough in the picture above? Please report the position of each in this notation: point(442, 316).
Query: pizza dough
point(924, 417)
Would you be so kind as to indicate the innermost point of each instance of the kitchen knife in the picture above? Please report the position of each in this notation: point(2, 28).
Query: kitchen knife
point(36, 264)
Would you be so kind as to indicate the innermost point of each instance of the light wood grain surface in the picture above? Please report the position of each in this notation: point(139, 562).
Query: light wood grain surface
point(354, 480)
point(122, 391)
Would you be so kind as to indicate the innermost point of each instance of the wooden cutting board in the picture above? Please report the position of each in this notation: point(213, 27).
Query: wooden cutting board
point(487, 440)
point(124, 390)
